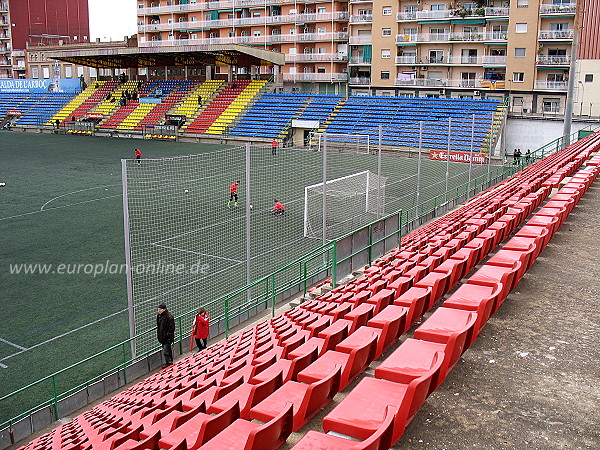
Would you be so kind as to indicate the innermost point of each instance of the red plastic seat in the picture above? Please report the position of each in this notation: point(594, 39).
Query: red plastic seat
point(246, 435)
point(413, 359)
point(380, 440)
point(449, 326)
point(352, 363)
point(382, 299)
point(437, 282)
point(415, 300)
point(400, 285)
point(479, 299)
point(288, 368)
point(489, 274)
point(363, 410)
point(392, 320)
point(307, 399)
point(358, 316)
point(327, 340)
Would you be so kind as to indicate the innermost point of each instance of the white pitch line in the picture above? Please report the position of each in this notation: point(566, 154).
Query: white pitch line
point(60, 207)
point(60, 336)
point(198, 253)
point(14, 345)
point(76, 192)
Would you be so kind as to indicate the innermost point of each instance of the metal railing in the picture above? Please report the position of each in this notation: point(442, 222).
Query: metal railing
point(295, 277)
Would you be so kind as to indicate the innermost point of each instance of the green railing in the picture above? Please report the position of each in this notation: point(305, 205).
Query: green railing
point(263, 293)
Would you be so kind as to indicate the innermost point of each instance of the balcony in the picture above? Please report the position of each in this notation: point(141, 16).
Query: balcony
point(19, 66)
point(469, 37)
point(362, 81)
point(565, 8)
point(419, 82)
point(406, 38)
point(493, 60)
point(328, 77)
point(555, 34)
point(3, 6)
point(425, 14)
point(551, 85)
point(360, 40)
point(360, 60)
point(316, 57)
point(361, 18)
point(406, 60)
point(543, 60)
point(496, 11)
point(243, 21)
point(250, 40)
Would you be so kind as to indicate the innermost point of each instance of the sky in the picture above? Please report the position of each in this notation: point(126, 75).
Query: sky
point(112, 19)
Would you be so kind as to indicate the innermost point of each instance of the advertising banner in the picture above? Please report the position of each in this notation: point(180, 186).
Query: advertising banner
point(72, 85)
point(441, 155)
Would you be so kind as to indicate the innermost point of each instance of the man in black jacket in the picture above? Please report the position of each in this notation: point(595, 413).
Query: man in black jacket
point(165, 331)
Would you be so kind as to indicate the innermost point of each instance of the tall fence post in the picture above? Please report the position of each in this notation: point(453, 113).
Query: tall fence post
point(227, 317)
point(334, 265)
point(448, 159)
point(55, 394)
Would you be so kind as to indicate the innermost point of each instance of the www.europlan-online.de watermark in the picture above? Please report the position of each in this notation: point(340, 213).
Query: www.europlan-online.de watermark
point(108, 268)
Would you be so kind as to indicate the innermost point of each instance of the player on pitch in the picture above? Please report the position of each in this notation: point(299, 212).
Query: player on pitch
point(233, 197)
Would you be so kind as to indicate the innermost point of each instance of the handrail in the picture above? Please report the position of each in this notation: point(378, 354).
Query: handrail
point(326, 253)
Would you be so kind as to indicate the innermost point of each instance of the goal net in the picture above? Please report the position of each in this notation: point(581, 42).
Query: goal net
point(342, 142)
point(348, 202)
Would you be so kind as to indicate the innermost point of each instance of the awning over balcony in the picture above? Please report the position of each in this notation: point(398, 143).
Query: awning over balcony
point(177, 55)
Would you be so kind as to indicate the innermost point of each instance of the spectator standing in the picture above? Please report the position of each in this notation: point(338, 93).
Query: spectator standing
point(201, 328)
point(165, 332)
point(278, 208)
point(274, 147)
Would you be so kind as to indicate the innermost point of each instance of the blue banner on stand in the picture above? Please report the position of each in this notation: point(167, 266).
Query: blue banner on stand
point(71, 85)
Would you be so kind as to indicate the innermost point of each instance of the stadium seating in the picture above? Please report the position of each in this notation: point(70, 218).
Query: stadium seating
point(283, 371)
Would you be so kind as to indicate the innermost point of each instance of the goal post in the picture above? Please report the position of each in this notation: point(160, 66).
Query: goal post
point(352, 201)
point(343, 142)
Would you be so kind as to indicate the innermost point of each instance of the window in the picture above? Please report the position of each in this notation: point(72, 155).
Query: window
point(411, 8)
point(46, 72)
point(35, 72)
point(386, 31)
point(551, 105)
point(385, 75)
point(170, 20)
point(521, 28)
point(517, 102)
point(321, 30)
point(467, 79)
point(320, 69)
point(522, 3)
point(436, 56)
point(589, 77)
point(365, 12)
point(387, 11)
point(256, 14)
point(519, 53)
point(410, 31)
point(439, 7)
point(559, 26)
point(321, 10)
point(321, 50)
point(385, 53)
point(518, 77)
point(468, 56)
point(93, 72)
point(68, 72)
point(256, 33)
point(79, 71)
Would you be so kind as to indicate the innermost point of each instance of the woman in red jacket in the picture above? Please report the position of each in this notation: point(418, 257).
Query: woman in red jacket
point(200, 329)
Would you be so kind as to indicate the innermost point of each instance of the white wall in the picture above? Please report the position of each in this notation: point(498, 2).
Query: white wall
point(533, 134)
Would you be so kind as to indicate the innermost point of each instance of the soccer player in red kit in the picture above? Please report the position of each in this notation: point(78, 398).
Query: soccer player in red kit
point(278, 208)
point(233, 197)
point(138, 155)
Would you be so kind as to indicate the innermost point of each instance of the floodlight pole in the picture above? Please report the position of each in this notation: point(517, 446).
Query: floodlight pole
point(379, 173)
point(419, 170)
point(248, 211)
point(128, 258)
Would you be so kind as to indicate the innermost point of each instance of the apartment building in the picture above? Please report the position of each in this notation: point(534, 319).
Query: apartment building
point(471, 49)
point(313, 35)
point(38, 22)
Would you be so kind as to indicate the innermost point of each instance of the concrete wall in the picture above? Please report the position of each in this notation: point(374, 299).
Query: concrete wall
point(533, 134)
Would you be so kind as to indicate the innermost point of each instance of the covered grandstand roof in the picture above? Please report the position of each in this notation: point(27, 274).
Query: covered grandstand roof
point(188, 55)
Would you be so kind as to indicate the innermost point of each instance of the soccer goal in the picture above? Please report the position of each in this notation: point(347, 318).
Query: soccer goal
point(342, 142)
point(350, 202)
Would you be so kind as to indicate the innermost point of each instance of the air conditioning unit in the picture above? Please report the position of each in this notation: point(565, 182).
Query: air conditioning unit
point(525, 110)
point(476, 92)
point(424, 68)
